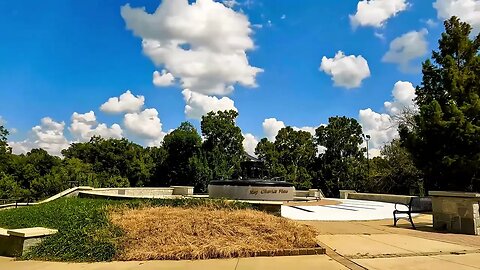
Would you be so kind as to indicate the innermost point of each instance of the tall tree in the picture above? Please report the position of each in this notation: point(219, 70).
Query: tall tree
point(268, 153)
point(4, 149)
point(444, 140)
point(158, 176)
point(201, 172)
point(297, 152)
point(341, 166)
point(291, 156)
point(223, 143)
point(181, 145)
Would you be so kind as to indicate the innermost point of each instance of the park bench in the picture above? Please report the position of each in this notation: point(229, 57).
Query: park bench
point(416, 205)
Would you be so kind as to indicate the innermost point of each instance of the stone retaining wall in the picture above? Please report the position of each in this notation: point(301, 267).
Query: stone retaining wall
point(389, 198)
point(456, 212)
point(135, 192)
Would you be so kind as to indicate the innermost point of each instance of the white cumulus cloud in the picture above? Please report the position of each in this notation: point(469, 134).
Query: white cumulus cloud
point(346, 71)
point(381, 126)
point(127, 102)
point(406, 48)
point(310, 130)
point(467, 10)
point(376, 12)
point(145, 124)
point(249, 143)
point(163, 79)
point(230, 3)
point(48, 136)
point(203, 44)
point(198, 104)
point(84, 126)
point(271, 127)
point(403, 98)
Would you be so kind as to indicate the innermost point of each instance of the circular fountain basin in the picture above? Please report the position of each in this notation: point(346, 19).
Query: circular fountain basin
point(255, 189)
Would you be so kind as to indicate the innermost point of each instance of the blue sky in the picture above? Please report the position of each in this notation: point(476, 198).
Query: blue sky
point(66, 56)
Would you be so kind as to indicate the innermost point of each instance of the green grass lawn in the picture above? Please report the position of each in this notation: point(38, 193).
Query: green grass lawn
point(84, 231)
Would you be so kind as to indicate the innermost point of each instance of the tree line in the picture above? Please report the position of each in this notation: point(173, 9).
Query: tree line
point(185, 159)
point(438, 148)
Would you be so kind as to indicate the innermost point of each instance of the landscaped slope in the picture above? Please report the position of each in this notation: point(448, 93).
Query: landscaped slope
point(102, 230)
point(204, 233)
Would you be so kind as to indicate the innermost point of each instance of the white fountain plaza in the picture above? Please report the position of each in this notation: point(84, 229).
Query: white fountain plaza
point(346, 210)
point(268, 190)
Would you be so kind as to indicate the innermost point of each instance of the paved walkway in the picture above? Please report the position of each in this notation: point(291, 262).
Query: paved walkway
point(345, 211)
point(380, 245)
point(260, 263)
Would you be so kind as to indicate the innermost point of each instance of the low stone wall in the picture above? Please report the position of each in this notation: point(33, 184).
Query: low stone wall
point(389, 198)
point(135, 192)
point(108, 195)
point(71, 192)
point(114, 193)
point(457, 212)
point(302, 193)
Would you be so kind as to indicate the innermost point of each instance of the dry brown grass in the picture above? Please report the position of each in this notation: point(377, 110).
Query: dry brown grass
point(204, 233)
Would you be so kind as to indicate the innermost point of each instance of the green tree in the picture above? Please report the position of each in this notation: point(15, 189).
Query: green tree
point(444, 139)
point(33, 165)
point(201, 172)
point(73, 169)
point(48, 185)
point(394, 172)
point(5, 150)
point(159, 170)
point(342, 165)
point(291, 156)
point(42, 160)
point(223, 146)
point(297, 152)
point(114, 157)
point(10, 189)
point(181, 145)
point(268, 153)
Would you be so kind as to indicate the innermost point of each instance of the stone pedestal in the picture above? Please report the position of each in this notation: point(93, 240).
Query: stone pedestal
point(456, 212)
point(344, 193)
point(14, 243)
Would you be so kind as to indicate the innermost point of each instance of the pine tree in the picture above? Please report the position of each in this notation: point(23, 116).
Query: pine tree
point(445, 139)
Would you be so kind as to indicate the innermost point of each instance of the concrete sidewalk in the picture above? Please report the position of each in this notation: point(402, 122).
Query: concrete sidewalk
point(380, 245)
point(260, 263)
point(442, 262)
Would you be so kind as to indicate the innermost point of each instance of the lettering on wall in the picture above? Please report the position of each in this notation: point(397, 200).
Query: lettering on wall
point(256, 191)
